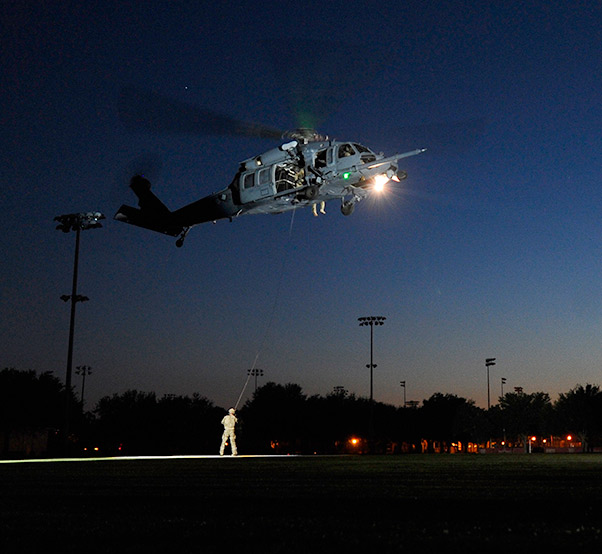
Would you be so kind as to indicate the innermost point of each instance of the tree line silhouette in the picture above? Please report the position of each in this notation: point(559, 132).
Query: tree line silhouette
point(283, 419)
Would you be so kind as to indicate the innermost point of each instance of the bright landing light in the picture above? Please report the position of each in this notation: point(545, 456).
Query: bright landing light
point(379, 182)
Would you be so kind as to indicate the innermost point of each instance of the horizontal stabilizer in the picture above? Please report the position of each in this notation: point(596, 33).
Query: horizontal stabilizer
point(137, 217)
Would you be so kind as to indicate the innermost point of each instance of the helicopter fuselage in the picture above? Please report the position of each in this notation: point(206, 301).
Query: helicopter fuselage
point(297, 174)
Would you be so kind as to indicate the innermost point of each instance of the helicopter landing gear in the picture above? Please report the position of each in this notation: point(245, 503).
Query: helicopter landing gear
point(311, 192)
point(347, 207)
point(181, 238)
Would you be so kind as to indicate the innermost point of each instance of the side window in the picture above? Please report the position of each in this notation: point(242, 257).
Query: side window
point(264, 176)
point(248, 181)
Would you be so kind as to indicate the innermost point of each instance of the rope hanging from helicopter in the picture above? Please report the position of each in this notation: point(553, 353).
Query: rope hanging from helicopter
point(272, 314)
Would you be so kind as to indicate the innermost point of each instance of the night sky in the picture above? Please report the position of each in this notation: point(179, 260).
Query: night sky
point(491, 248)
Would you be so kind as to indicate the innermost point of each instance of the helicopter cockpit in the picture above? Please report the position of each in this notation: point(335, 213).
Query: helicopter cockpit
point(348, 150)
point(356, 153)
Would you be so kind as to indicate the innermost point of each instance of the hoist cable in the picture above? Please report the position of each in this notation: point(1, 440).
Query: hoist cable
point(272, 313)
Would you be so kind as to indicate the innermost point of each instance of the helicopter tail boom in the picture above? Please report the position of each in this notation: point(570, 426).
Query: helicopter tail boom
point(152, 214)
point(137, 217)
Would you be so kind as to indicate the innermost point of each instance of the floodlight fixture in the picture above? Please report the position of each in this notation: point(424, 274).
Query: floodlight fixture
point(255, 372)
point(79, 221)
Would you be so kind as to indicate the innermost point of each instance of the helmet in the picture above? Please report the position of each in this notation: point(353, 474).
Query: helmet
point(231, 411)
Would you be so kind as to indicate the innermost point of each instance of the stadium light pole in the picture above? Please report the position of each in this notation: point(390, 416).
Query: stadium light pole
point(488, 363)
point(371, 321)
point(255, 372)
point(74, 222)
point(403, 384)
point(364, 322)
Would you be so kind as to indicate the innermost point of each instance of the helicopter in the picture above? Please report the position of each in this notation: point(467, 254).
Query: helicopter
point(306, 170)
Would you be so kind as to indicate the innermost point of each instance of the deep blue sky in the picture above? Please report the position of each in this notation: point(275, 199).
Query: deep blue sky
point(490, 249)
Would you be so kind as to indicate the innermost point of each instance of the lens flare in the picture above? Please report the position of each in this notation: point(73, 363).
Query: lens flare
point(379, 182)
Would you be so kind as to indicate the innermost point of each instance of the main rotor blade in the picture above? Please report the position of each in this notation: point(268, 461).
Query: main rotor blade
point(151, 112)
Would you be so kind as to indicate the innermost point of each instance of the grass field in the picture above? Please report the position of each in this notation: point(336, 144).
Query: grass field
point(473, 503)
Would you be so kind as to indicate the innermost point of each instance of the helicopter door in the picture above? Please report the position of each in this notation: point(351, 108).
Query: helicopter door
point(324, 158)
point(255, 185)
point(330, 156)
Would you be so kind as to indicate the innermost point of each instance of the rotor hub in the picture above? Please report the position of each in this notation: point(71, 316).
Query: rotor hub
point(304, 134)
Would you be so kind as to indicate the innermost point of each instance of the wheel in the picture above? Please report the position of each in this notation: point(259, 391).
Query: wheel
point(311, 192)
point(347, 208)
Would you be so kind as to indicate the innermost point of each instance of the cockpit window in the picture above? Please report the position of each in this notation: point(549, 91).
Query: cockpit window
point(346, 150)
point(366, 155)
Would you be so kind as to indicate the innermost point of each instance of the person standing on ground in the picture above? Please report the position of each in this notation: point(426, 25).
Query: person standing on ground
point(229, 422)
